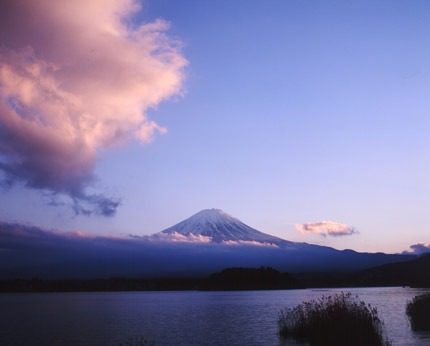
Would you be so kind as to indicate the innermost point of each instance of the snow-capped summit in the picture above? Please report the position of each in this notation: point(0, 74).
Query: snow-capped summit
point(221, 228)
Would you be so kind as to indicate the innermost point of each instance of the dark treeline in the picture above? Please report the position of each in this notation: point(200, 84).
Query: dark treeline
point(263, 278)
point(413, 273)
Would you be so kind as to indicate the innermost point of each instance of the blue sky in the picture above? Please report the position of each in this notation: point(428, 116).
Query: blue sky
point(292, 112)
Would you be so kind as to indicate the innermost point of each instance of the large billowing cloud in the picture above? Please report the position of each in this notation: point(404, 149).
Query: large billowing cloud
point(418, 249)
point(325, 228)
point(76, 77)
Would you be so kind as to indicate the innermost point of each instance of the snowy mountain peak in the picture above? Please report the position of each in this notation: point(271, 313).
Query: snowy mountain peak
point(220, 227)
point(211, 215)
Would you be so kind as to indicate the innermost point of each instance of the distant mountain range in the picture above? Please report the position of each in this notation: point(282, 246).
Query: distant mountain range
point(207, 242)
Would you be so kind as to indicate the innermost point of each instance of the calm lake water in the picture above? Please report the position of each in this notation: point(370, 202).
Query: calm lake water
point(178, 318)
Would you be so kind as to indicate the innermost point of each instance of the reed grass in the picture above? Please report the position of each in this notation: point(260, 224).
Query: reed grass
point(338, 320)
point(418, 312)
point(137, 341)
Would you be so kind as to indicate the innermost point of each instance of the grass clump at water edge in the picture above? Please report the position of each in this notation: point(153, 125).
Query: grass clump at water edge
point(337, 320)
point(418, 312)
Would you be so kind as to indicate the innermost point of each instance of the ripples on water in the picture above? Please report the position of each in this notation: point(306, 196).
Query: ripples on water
point(179, 318)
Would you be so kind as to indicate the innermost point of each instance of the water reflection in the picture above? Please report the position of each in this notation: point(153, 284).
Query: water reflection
point(179, 318)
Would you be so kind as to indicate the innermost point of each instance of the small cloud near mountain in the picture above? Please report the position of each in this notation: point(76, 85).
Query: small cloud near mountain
point(418, 249)
point(326, 228)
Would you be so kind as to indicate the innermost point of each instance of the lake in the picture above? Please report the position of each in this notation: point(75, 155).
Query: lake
point(179, 318)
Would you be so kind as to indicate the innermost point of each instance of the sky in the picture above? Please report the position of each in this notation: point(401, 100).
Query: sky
point(306, 120)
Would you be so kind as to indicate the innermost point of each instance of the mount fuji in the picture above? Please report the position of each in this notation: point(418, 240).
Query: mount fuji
point(221, 227)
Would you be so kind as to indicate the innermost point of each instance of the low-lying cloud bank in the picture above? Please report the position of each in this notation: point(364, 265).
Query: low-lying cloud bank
point(77, 77)
point(248, 242)
point(176, 237)
point(326, 228)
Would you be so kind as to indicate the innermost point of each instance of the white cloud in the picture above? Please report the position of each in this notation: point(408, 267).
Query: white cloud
point(176, 237)
point(247, 242)
point(325, 228)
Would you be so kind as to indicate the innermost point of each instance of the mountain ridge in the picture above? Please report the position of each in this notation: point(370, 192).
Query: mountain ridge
point(35, 252)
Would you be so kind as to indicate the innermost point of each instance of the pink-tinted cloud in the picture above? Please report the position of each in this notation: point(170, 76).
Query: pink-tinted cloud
point(418, 248)
point(77, 77)
point(325, 228)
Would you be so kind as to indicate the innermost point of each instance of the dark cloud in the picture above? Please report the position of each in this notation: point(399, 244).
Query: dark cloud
point(98, 204)
point(418, 249)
